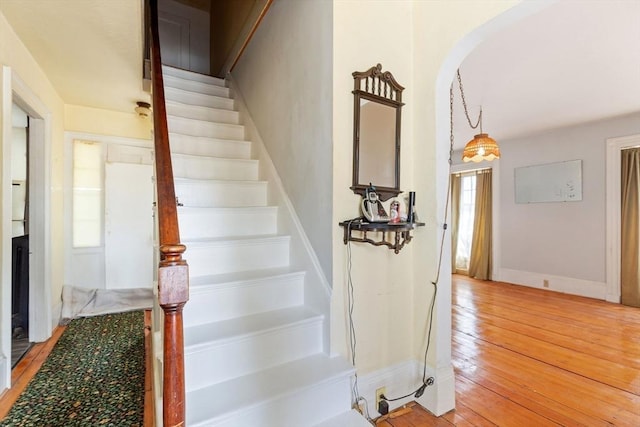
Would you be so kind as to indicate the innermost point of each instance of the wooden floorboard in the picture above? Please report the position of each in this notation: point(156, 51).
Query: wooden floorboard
point(26, 369)
point(531, 357)
point(522, 357)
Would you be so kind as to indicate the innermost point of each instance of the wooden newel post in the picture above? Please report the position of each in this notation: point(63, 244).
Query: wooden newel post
point(173, 293)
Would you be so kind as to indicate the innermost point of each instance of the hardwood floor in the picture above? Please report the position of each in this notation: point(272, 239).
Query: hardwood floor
point(26, 369)
point(522, 356)
point(529, 357)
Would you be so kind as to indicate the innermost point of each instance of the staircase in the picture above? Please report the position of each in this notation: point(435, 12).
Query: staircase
point(254, 351)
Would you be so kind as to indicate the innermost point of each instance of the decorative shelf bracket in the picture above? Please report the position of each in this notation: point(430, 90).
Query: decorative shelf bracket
point(394, 236)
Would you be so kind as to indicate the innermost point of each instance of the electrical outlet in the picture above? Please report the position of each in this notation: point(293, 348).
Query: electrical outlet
point(545, 283)
point(379, 392)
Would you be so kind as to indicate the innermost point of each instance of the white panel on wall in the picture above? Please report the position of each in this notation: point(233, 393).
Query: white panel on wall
point(88, 268)
point(128, 225)
point(174, 40)
point(551, 182)
point(129, 154)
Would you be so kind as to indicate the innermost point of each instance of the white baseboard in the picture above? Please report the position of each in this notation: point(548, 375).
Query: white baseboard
point(567, 285)
point(5, 374)
point(441, 397)
point(403, 378)
point(317, 287)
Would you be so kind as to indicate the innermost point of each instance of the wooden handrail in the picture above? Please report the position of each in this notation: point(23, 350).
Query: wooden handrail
point(173, 272)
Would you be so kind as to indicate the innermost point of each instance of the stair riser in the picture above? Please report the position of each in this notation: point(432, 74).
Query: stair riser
point(206, 129)
point(203, 113)
point(188, 75)
point(222, 194)
point(197, 87)
point(303, 408)
point(208, 223)
point(221, 302)
point(233, 256)
point(281, 373)
point(222, 362)
point(194, 167)
point(199, 99)
point(198, 146)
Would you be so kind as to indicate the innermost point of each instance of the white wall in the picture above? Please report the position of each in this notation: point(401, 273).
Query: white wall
point(24, 81)
point(416, 41)
point(559, 241)
point(285, 78)
point(297, 70)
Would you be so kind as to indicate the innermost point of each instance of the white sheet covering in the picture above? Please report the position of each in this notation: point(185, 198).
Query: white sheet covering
point(80, 302)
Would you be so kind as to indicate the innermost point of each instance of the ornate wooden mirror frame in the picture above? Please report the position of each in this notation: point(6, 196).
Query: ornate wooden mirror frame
point(376, 132)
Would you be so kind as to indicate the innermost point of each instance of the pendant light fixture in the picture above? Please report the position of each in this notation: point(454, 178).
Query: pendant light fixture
point(482, 146)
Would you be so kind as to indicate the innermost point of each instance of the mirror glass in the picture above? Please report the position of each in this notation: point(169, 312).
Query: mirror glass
point(376, 132)
point(377, 144)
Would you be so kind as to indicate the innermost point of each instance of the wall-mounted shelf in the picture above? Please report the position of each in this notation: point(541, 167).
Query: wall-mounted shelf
point(400, 233)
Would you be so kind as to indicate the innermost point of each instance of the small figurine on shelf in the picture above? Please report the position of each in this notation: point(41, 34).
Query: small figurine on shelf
point(394, 212)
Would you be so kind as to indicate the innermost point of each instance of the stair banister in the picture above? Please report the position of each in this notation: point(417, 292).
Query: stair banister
point(173, 274)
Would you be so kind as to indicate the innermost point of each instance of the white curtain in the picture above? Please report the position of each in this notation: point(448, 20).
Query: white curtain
point(466, 215)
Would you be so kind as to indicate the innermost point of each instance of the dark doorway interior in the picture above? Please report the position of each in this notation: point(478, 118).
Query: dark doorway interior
point(20, 236)
point(19, 298)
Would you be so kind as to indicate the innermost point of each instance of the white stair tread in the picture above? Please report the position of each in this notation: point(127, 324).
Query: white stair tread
point(178, 179)
point(201, 112)
point(207, 139)
point(351, 418)
point(192, 75)
point(201, 192)
point(195, 98)
point(192, 122)
point(170, 103)
point(195, 86)
point(202, 145)
point(269, 384)
point(207, 241)
point(200, 157)
point(240, 327)
point(196, 210)
point(242, 276)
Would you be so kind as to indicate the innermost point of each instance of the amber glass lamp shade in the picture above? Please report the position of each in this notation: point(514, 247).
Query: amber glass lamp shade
point(481, 147)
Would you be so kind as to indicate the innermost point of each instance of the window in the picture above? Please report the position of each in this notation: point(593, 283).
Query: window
point(465, 225)
point(87, 193)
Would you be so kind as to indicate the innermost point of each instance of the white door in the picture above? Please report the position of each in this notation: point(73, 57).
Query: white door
point(128, 226)
point(174, 40)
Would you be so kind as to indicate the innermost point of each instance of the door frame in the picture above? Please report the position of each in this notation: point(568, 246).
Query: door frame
point(613, 212)
point(41, 316)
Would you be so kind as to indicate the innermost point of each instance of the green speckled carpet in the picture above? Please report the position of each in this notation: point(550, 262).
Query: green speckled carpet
point(93, 377)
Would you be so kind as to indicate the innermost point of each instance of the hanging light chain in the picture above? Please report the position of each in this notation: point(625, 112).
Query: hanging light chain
point(451, 124)
point(464, 104)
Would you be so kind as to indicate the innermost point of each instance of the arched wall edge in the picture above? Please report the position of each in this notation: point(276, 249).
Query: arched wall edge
point(445, 78)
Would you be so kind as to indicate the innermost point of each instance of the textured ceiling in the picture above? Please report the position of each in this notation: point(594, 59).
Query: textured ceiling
point(573, 62)
point(91, 50)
